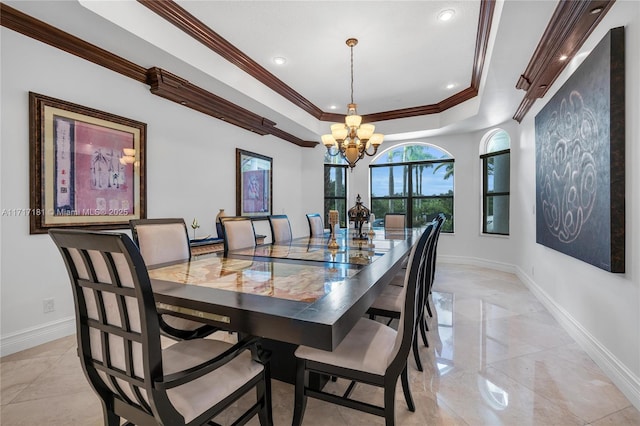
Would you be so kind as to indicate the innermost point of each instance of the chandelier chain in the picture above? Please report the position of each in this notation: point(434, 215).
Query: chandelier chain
point(352, 74)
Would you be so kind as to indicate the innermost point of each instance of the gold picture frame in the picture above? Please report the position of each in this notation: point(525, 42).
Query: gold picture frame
point(254, 184)
point(87, 167)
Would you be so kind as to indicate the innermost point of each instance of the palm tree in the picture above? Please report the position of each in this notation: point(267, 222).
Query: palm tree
point(448, 169)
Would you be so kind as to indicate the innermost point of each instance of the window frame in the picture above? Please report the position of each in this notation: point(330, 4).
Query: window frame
point(343, 217)
point(485, 188)
point(410, 197)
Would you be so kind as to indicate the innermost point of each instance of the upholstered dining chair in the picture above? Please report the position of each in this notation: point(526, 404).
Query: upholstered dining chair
point(395, 221)
point(280, 228)
point(389, 303)
point(167, 240)
point(371, 353)
point(238, 232)
point(316, 227)
point(118, 333)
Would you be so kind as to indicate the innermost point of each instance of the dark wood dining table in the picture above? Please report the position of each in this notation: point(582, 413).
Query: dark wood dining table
point(299, 292)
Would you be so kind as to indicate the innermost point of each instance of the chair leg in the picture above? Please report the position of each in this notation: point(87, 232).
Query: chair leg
point(414, 347)
point(423, 332)
point(263, 390)
point(428, 307)
point(404, 377)
point(300, 398)
point(390, 403)
point(111, 418)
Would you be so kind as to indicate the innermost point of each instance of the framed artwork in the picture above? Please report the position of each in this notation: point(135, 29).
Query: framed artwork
point(580, 166)
point(87, 167)
point(254, 182)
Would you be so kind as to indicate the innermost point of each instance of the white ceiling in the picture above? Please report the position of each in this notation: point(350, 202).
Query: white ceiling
point(405, 56)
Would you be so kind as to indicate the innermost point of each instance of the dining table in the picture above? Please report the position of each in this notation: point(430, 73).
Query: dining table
point(300, 292)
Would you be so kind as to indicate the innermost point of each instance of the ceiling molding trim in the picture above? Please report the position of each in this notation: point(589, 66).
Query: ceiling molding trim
point(179, 17)
point(482, 41)
point(176, 15)
point(570, 26)
point(179, 90)
point(45, 33)
point(167, 85)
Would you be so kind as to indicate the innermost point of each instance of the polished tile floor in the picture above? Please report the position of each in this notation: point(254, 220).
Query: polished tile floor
point(496, 357)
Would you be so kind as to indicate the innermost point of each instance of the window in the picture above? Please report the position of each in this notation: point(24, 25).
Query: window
point(335, 187)
point(495, 158)
point(416, 179)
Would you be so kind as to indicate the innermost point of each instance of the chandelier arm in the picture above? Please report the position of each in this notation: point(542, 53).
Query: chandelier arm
point(366, 151)
point(337, 151)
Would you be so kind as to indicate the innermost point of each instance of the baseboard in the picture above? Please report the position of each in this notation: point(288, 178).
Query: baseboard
point(474, 261)
point(624, 379)
point(35, 336)
point(620, 375)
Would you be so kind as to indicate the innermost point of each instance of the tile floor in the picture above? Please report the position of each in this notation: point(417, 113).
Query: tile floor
point(497, 357)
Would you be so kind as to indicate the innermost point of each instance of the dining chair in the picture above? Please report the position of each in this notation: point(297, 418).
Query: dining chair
point(238, 232)
point(316, 227)
point(167, 240)
point(371, 353)
point(395, 221)
point(118, 334)
point(441, 218)
point(389, 303)
point(280, 228)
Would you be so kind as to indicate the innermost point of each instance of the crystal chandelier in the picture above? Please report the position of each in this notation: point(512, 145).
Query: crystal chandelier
point(352, 139)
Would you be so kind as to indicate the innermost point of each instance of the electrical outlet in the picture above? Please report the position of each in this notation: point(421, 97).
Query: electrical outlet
point(48, 305)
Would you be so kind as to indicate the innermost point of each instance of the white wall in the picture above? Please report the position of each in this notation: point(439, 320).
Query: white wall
point(190, 173)
point(600, 309)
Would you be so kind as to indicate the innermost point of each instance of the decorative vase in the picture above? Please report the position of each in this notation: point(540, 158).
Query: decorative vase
point(220, 214)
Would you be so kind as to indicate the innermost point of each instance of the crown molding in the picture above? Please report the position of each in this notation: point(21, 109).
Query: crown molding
point(41, 31)
point(179, 17)
point(163, 83)
point(570, 26)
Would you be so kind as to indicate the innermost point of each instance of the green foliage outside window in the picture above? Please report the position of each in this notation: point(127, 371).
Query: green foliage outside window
point(416, 179)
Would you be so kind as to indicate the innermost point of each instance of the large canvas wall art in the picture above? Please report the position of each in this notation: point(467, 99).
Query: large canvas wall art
point(580, 177)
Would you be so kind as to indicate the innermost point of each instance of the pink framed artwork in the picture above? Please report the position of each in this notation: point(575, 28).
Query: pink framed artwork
point(87, 167)
point(253, 184)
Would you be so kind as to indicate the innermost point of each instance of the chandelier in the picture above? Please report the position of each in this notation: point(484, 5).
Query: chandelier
point(352, 139)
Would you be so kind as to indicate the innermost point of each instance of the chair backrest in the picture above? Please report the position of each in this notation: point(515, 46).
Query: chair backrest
point(316, 227)
point(407, 321)
point(395, 221)
point(441, 219)
point(280, 228)
point(161, 240)
point(426, 270)
point(238, 232)
point(116, 319)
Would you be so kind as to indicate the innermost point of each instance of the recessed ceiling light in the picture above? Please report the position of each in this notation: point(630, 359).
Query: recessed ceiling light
point(332, 107)
point(596, 10)
point(563, 57)
point(450, 86)
point(446, 15)
point(279, 60)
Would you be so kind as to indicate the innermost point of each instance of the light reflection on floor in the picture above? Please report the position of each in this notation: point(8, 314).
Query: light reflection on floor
point(496, 357)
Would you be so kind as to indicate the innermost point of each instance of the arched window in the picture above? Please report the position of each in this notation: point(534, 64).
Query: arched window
point(335, 187)
point(496, 158)
point(413, 178)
